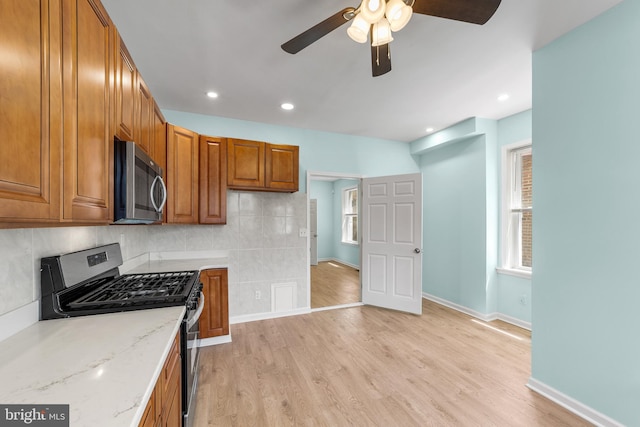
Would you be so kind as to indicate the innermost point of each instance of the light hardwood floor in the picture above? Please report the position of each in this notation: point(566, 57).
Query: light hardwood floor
point(333, 283)
point(365, 366)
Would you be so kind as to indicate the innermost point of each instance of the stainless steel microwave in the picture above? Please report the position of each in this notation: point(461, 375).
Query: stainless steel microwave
point(140, 193)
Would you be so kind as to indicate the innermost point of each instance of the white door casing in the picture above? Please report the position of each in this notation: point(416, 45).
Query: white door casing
point(392, 242)
point(313, 230)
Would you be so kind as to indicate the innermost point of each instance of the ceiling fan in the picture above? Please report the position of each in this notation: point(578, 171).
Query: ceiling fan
point(377, 19)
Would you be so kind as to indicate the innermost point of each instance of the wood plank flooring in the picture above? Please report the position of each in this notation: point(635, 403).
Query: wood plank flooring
point(333, 283)
point(365, 366)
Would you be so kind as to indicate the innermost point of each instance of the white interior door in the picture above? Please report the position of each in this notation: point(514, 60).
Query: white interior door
point(392, 242)
point(313, 231)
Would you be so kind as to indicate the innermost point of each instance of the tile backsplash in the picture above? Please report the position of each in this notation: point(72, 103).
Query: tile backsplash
point(261, 237)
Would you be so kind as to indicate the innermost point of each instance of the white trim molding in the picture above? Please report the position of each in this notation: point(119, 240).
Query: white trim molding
point(571, 404)
point(333, 307)
point(484, 317)
point(206, 342)
point(268, 315)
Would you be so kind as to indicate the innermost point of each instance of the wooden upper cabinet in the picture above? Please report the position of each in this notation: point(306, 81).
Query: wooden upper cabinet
point(88, 68)
point(159, 139)
point(245, 164)
point(182, 175)
point(30, 110)
point(214, 320)
point(256, 165)
point(143, 135)
point(125, 81)
point(281, 172)
point(213, 180)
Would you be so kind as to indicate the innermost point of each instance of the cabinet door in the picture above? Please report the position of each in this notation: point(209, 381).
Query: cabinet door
point(87, 68)
point(143, 136)
point(125, 92)
point(172, 415)
point(245, 164)
point(159, 144)
point(30, 110)
point(281, 167)
point(214, 320)
point(182, 175)
point(213, 180)
point(149, 416)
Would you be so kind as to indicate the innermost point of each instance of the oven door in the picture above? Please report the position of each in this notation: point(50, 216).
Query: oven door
point(190, 361)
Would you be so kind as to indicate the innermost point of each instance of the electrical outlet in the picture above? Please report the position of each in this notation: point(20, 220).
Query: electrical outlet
point(257, 294)
point(303, 232)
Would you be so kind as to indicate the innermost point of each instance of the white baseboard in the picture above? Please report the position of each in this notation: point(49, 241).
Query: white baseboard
point(268, 315)
point(205, 342)
point(485, 317)
point(333, 307)
point(571, 404)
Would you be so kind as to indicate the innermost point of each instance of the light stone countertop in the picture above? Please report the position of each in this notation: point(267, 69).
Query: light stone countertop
point(104, 366)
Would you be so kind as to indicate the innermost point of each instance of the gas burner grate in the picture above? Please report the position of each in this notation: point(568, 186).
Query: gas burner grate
point(138, 289)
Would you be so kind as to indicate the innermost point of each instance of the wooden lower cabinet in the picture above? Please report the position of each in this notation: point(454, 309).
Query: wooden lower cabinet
point(214, 321)
point(165, 404)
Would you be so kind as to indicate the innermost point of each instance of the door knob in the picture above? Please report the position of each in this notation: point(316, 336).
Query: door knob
point(417, 250)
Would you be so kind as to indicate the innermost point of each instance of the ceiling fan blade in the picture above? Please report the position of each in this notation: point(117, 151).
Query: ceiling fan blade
point(380, 60)
point(472, 11)
point(318, 31)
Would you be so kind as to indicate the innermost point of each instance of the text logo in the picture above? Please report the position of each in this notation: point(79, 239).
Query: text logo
point(34, 415)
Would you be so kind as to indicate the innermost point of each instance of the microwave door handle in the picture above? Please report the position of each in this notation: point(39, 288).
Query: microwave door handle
point(164, 194)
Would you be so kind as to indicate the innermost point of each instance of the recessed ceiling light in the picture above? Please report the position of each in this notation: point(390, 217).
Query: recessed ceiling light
point(503, 97)
point(287, 106)
point(430, 130)
point(212, 94)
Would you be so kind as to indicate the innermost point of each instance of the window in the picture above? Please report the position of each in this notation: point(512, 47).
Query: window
point(517, 211)
point(350, 215)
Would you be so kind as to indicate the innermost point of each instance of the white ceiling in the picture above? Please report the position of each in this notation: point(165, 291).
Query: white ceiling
point(443, 71)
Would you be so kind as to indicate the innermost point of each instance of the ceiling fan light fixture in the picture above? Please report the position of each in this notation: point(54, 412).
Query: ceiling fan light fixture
point(381, 33)
point(358, 30)
point(398, 14)
point(372, 10)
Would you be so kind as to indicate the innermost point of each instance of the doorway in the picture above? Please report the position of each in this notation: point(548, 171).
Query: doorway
point(334, 261)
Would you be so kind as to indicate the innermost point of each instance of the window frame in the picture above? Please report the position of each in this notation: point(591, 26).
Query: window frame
point(510, 248)
point(345, 226)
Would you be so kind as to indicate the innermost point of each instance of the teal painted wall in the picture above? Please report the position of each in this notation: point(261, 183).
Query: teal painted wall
point(586, 285)
point(322, 191)
point(514, 293)
point(454, 243)
point(319, 151)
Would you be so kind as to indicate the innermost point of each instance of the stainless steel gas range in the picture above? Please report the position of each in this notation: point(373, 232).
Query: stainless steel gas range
point(88, 282)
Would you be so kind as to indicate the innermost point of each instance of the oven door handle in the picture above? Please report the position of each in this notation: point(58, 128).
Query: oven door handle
point(196, 316)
